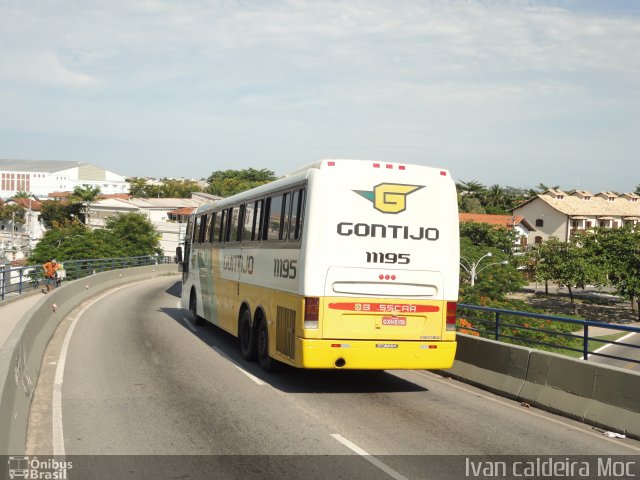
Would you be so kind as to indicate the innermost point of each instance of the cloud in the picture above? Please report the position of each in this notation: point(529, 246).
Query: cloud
point(486, 79)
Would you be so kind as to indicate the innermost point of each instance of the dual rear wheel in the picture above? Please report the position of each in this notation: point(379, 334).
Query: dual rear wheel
point(254, 341)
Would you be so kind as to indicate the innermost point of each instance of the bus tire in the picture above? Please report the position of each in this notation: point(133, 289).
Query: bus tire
point(247, 336)
point(193, 308)
point(267, 363)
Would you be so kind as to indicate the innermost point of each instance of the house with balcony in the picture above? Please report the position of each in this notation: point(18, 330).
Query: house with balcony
point(560, 214)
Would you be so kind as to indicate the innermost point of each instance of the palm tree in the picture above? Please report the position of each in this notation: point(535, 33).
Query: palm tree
point(85, 195)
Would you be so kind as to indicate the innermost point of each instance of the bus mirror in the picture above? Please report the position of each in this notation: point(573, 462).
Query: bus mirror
point(178, 254)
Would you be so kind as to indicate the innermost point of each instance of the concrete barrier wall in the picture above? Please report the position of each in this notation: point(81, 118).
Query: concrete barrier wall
point(607, 397)
point(21, 355)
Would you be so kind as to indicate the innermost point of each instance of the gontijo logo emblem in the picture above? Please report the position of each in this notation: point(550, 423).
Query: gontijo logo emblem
point(389, 197)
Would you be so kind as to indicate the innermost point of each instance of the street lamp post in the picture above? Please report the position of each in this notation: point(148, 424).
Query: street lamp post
point(472, 267)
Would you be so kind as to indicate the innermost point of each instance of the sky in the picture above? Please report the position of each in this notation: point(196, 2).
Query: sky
point(507, 92)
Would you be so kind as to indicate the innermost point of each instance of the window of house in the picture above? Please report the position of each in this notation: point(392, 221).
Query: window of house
point(538, 240)
point(539, 222)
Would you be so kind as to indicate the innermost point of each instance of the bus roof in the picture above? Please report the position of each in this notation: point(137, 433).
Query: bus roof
point(303, 172)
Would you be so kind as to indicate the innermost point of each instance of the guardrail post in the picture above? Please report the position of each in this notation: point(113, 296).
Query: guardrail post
point(3, 283)
point(20, 282)
point(497, 325)
point(585, 343)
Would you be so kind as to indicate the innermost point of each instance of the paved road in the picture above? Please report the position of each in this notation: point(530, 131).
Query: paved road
point(141, 379)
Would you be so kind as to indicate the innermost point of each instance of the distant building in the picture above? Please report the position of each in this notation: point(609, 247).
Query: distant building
point(559, 214)
point(40, 178)
point(516, 223)
point(167, 214)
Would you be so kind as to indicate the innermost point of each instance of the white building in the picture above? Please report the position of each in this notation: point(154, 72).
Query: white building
point(39, 177)
point(157, 210)
point(561, 215)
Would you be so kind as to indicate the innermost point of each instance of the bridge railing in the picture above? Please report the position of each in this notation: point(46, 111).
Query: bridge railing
point(547, 332)
point(18, 280)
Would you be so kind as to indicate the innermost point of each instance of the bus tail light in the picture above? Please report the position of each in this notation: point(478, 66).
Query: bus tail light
point(311, 312)
point(452, 308)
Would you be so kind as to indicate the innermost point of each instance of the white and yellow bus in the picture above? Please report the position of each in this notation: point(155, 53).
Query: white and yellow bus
point(343, 264)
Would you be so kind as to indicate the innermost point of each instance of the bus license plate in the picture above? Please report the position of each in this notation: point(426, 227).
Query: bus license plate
point(395, 321)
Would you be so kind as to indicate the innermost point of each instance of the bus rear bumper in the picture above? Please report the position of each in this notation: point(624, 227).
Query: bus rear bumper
point(376, 354)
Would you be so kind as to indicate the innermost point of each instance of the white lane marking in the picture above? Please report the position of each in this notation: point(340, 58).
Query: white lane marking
point(368, 457)
point(622, 339)
point(56, 408)
point(226, 357)
point(189, 324)
point(519, 407)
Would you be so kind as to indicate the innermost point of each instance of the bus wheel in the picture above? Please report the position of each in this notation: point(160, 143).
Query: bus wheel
point(193, 308)
point(247, 334)
point(267, 363)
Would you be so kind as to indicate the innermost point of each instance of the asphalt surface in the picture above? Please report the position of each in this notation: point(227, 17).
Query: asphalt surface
point(141, 379)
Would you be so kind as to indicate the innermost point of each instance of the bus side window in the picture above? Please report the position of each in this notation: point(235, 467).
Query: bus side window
point(247, 220)
point(297, 201)
point(196, 231)
point(284, 229)
point(274, 218)
point(227, 225)
point(203, 228)
point(223, 221)
point(235, 225)
point(211, 229)
point(207, 229)
point(188, 237)
point(256, 226)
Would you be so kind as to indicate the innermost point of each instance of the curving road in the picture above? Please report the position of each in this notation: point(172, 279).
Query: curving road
point(139, 378)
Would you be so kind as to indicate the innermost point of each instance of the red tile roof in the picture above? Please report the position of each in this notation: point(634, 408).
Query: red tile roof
point(182, 211)
point(507, 221)
point(28, 203)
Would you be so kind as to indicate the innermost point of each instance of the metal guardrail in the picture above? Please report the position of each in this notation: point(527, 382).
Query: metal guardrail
point(18, 280)
point(507, 325)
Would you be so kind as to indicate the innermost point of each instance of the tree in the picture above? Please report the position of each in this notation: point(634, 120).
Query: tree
point(484, 235)
point(126, 235)
point(85, 195)
point(229, 182)
point(138, 187)
point(168, 188)
point(138, 236)
point(616, 252)
point(21, 195)
point(637, 192)
point(495, 275)
point(565, 263)
point(471, 205)
point(74, 241)
point(12, 213)
point(54, 213)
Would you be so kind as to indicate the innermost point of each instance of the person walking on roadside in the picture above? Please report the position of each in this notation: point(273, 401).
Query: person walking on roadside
point(50, 275)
